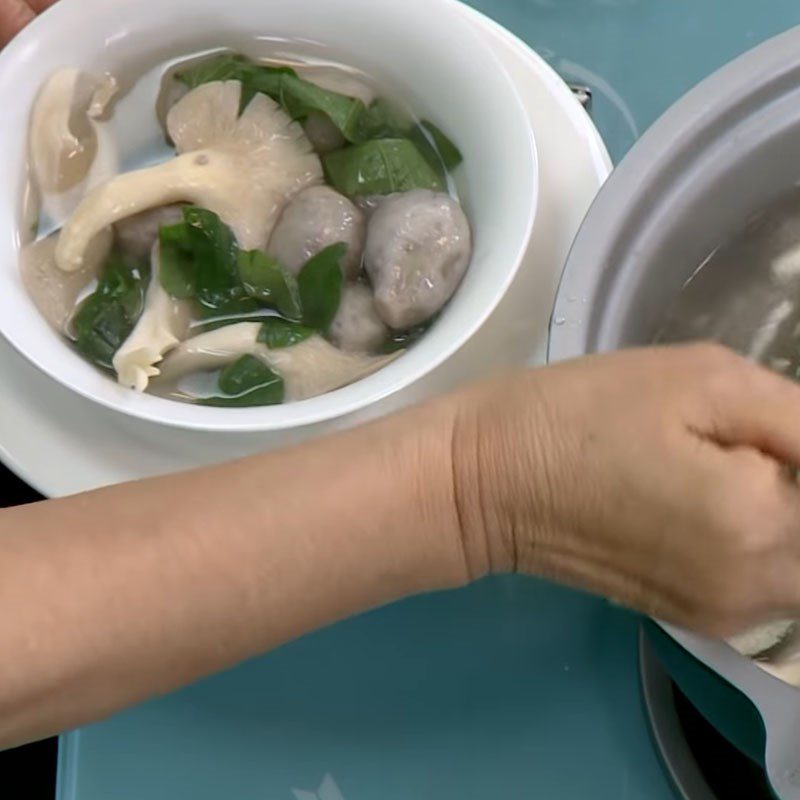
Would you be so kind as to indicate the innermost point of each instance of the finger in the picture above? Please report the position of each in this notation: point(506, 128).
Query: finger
point(14, 16)
point(41, 5)
point(760, 409)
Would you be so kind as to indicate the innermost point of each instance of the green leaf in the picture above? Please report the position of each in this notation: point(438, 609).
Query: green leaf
point(382, 166)
point(224, 67)
point(247, 382)
point(422, 142)
point(320, 282)
point(276, 333)
point(176, 270)
point(383, 121)
point(107, 317)
point(449, 153)
point(216, 264)
point(298, 97)
point(265, 280)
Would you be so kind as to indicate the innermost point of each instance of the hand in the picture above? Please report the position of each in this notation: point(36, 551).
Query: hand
point(654, 477)
point(16, 14)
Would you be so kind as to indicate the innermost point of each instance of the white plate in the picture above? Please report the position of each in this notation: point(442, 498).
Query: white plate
point(61, 444)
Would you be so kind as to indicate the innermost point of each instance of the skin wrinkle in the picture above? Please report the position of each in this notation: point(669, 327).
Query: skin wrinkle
point(470, 569)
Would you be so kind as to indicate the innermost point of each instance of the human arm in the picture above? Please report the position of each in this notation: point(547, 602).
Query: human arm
point(654, 477)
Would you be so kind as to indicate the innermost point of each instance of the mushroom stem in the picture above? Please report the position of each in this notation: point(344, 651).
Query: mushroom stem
point(308, 369)
point(193, 178)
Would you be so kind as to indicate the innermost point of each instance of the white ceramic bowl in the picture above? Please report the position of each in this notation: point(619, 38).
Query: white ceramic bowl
point(424, 49)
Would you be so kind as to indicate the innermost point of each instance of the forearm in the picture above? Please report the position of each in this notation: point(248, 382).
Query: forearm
point(110, 597)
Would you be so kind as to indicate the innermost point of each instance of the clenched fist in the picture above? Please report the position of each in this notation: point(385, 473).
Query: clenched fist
point(655, 477)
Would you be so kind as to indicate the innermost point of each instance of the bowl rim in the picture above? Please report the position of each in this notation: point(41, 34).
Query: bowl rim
point(333, 405)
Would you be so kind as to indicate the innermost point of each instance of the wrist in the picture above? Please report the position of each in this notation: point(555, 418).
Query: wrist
point(478, 471)
point(419, 449)
point(503, 474)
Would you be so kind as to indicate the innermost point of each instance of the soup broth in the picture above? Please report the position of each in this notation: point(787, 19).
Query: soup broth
point(249, 231)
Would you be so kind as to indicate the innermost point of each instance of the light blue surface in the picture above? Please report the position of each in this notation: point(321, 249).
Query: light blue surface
point(509, 689)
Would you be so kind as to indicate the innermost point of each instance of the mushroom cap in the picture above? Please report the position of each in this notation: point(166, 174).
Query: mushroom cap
point(243, 168)
point(271, 157)
point(55, 293)
point(69, 150)
point(63, 142)
point(418, 248)
point(314, 219)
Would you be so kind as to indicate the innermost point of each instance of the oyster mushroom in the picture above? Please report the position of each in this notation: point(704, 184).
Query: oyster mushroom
point(314, 219)
point(315, 367)
point(418, 248)
point(55, 293)
point(70, 152)
point(243, 168)
point(308, 369)
point(162, 325)
point(357, 326)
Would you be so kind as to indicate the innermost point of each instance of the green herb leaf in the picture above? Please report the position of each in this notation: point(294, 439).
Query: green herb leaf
point(383, 121)
point(449, 153)
point(248, 382)
point(176, 271)
point(107, 317)
point(224, 67)
point(382, 166)
point(423, 143)
point(298, 97)
point(276, 333)
point(320, 282)
point(216, 257)
point(265, 280)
